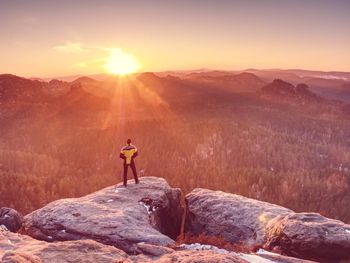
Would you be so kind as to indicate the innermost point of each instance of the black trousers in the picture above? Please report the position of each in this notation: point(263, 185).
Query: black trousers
point(133, 168)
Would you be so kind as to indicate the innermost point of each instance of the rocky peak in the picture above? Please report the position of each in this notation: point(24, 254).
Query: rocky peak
point(148, 212)
point(55, 82)
point(279, 87)
point(286, 91)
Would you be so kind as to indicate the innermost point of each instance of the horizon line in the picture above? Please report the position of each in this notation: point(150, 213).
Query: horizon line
point(174, 70)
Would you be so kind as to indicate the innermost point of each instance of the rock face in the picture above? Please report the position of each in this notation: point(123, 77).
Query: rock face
point(148, 212)
point(160, 255)
point(250, 222)
point(261, 256)
point(286, 91)
point(142, 220)
point(16, 248)
point(235, 218)
point(310, 235)
point(11, 219)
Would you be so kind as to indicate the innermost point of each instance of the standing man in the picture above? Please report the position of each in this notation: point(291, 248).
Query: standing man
point(128, 153)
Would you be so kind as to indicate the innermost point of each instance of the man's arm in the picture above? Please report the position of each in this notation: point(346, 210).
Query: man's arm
point(135, 153)
point(122, 155)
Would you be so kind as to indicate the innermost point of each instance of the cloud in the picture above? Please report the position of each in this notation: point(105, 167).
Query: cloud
point(72, 47)
point(98, 62)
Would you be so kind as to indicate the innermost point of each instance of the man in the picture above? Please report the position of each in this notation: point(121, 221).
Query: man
point(128, 153)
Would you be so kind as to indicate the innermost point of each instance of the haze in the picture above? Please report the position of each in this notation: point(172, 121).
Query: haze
point(56, 38)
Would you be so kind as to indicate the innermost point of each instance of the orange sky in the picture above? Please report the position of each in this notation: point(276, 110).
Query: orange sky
point(56, 38)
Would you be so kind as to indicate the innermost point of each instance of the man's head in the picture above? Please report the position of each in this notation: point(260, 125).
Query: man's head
point(128, 141)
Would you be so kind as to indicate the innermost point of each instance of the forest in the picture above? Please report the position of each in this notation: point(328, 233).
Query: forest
point(193, 135)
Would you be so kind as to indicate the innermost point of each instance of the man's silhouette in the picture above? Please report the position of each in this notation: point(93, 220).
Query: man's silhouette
point(128, 153)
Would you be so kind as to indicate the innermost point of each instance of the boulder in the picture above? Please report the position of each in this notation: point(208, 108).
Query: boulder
point(269, 258)
point(237, 219)
point(16, 248)
point(207, 253)
point(310, 235)
point(252, 223)
point(159, 254)
point(17, 257)
point(153, 250)
point(276, 257)
point(147, 212)
point(11, 219)
point(205, 256)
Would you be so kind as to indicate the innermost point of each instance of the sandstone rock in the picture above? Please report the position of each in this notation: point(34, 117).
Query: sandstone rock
point(16, 248)
point(235, 218)
point(279, 258)
point(153, 250)
point(286, 91)
point(255, 258)
point(310, 235)
point(11, 219)
point(122, 218)
point(205, 256)
point(17, 257)
point(261, 256)
point(249, 222)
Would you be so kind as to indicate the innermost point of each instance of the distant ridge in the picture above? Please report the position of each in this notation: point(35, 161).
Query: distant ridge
point(283, 90)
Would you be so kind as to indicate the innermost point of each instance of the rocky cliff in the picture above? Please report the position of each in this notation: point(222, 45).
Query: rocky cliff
point(250, 222)
point(285, 91)
point(16, 248)
point(141, 222)
point(149, 212)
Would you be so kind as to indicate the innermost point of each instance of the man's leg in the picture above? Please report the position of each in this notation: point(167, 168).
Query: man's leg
point(133, 167)
point(125, 174)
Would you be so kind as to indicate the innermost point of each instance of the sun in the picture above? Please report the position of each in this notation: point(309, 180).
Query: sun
point(121, 63)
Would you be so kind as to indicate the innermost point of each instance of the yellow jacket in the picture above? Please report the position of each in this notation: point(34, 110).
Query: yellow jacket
point(128, 152)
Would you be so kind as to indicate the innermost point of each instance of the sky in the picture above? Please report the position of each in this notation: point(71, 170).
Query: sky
point(51, 38)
